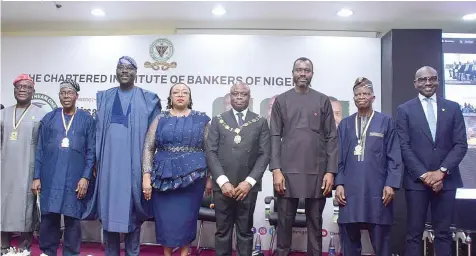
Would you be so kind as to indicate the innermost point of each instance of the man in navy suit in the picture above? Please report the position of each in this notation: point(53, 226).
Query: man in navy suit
point(433, 143)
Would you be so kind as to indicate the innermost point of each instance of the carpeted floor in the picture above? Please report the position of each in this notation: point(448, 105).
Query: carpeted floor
point(95, 249)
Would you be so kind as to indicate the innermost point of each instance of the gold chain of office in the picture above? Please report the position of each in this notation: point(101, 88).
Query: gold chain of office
point(237, 131)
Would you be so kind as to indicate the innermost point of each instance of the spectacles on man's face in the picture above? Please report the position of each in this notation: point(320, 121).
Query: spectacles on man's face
point(67, 93)
point(23, 87)
point(128, 68)
point(423, 80)
point(362, 94)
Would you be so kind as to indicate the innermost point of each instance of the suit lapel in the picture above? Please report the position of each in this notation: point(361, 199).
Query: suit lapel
point(440, 121)
point(249, 116)
point(421, 116)
point(230, 119)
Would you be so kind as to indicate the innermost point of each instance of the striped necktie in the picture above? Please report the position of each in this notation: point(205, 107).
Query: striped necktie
point(431, 117)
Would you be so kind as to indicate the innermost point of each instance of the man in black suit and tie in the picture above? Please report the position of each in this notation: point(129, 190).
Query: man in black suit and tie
point(433, 143)
point(239, 151)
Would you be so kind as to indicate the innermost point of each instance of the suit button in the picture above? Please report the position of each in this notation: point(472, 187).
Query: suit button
point(434, 149)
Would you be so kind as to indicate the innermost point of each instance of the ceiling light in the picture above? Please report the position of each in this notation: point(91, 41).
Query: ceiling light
point(98, 12)
point(471, 16)
point(219, 11)
point(345, 13)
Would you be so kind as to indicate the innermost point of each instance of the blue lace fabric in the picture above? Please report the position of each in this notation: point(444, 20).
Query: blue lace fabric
point(180, 157)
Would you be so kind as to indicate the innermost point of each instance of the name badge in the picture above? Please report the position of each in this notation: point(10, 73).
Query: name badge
point(376, 134)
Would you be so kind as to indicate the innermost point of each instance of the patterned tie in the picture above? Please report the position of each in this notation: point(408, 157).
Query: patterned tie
point(431, 117)
point(240, 119)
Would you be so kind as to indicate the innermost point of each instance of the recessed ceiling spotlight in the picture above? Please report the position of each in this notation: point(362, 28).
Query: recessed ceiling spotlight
point(471, 16)
point(219, 11)
point(345, 13)
point(98, 12)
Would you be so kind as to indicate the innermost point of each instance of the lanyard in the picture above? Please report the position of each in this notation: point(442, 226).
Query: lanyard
point(357, 130)
point(66, 127)
point(14, 122)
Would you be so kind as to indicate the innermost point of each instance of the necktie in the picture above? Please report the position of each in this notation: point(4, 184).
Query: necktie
point(431, 117)
point(240, 119)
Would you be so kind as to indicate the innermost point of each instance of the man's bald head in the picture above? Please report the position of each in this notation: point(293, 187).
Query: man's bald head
point(425, 70)
point(241, 85)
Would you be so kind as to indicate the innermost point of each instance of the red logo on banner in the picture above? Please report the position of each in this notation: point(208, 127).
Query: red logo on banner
point(324, 233)
point(262, 231)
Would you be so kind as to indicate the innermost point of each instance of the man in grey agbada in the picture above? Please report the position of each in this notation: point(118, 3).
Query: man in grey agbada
point(19, 137)
point(303, 156)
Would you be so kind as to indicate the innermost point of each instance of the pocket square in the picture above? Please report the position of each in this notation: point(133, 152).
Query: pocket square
point(376, 134)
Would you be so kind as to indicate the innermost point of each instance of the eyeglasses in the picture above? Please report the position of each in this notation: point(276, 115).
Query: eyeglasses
point(125, 68)
point(68, 93)
point(23, 86)
point(362, 94)
point(431, 79)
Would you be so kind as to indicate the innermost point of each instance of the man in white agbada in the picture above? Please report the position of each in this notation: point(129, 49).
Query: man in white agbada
point(19, 135)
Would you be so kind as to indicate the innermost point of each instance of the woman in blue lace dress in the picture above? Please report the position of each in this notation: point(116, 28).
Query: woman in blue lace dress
point(174, 176)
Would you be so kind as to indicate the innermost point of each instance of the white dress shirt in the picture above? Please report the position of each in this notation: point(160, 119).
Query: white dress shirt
point(235, 113)
point(222, 179)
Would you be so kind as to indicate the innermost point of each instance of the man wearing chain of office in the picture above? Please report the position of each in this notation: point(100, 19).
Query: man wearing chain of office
point(238, 155)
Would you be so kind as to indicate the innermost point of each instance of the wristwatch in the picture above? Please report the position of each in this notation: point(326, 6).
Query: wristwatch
point(444, 170)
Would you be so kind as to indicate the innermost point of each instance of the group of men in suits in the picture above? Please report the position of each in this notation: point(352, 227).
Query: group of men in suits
point(369, 154)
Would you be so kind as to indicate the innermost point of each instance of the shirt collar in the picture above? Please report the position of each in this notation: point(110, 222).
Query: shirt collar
point(422, 98)
point(245, 111)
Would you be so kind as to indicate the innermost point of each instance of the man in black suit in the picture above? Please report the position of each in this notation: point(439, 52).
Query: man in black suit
point(239, 151)
point(433, 142)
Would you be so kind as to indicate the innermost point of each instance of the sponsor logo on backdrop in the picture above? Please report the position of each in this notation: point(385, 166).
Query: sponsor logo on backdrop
point(271, 230)
point(44, 101)
point(304, 232)
point(324, 232)
point(161, 50)
point(253, 229)
point(262, 231)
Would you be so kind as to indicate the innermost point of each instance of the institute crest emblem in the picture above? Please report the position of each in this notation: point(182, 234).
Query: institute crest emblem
point(161, 50)
point(44, 101)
